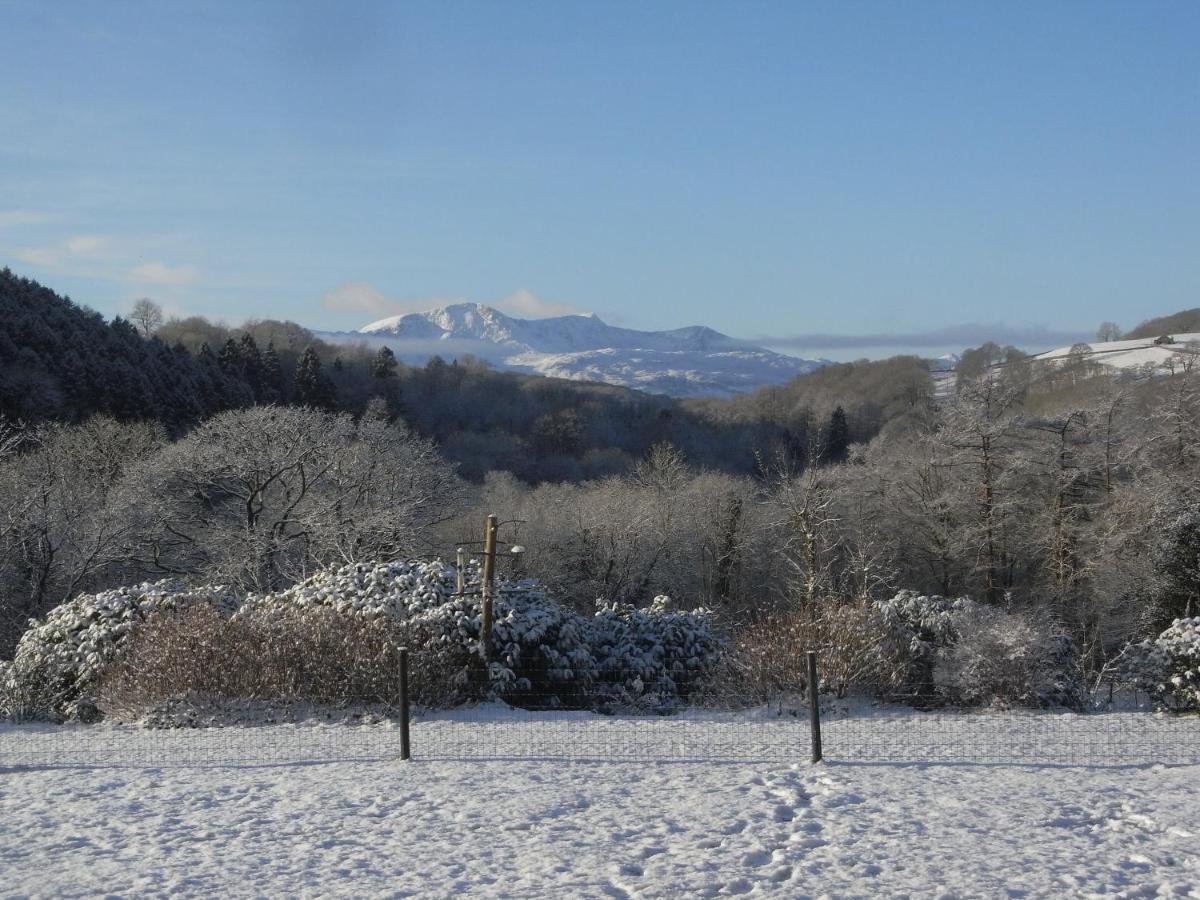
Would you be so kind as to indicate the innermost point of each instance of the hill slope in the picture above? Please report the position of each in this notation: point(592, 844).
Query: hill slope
point(1132, 354)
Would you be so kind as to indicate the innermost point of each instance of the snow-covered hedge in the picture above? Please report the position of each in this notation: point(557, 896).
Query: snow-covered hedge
point(59, 657)
point(399, 589)
point(543, 653)
point(915, 629)
point(651, 658)
point(1168, 667)
point(1005, 658)
point(540, 653)
point(968, 653)
point(1179, 646)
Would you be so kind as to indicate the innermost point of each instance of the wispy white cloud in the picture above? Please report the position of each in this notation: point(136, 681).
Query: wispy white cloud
point(11, 218)
point(105, 257)
point(529, 305)
point(363, 298)
point(161, 273)
point(73, 250)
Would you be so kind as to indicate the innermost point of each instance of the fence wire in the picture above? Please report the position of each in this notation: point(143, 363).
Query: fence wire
point(853, 730)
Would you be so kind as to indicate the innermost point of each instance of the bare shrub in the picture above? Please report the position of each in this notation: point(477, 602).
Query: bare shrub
point(317, 656)
point(768, 660)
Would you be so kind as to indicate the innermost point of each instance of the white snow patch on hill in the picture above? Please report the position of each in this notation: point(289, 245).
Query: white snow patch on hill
point(1134, 354)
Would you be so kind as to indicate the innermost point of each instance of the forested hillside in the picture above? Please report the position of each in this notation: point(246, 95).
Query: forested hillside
point(61, 362)
point(1186, 321)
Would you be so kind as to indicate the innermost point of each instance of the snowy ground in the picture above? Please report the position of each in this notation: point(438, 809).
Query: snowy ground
point(538, 829)
point(368, 824)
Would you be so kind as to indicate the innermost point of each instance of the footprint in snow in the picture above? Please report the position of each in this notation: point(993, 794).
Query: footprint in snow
point(756, 859)
point(783, 873)
point(784, 813)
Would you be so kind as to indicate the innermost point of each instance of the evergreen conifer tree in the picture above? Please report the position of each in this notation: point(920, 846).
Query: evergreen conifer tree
point(837, 436)
point(313, 387)
point(252, 364)
point(272, 375)
point(231, 357)
point(384, 364)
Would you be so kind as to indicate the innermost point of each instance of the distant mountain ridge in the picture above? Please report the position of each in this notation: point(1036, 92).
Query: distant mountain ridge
point(690, 361)
point(559, 334)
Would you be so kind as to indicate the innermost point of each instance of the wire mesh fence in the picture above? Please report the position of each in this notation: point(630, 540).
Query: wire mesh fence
point(544, 721)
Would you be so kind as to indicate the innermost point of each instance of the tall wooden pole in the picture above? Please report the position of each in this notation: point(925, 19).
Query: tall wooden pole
point(461, 580)
point(489, 582)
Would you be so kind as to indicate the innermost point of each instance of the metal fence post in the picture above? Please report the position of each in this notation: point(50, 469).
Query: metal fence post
point(814, 706)
point(405, 747)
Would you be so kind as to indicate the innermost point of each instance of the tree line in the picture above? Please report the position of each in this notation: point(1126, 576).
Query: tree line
point(60, 362)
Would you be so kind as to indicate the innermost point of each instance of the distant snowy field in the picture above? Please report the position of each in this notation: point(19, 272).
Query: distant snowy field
point(1134, 354)
point(150, 820)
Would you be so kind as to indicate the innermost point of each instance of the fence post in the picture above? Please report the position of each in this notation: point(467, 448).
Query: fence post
point(461, 579)
point(405, 746)
point(814, 706)
point(489, 579)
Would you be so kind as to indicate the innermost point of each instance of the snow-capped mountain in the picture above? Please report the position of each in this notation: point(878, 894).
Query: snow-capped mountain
point(693, 361)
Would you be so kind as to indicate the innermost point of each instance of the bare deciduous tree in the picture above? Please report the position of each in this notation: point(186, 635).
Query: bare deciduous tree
point(260, 497)
point(976, 435)
point(147, 316)
point(60, 532)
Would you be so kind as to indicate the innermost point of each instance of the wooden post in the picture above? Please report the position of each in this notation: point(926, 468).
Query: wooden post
point(462, 572)
point(814, 706)
point(489, 581)
point(405, 747)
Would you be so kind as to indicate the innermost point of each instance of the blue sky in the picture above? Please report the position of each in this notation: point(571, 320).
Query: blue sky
point(915, 175)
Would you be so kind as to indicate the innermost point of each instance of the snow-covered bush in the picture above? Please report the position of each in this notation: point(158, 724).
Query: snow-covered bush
point(1168, 667)
point(914, 628)
point(5, 690)
point(540, 653)
point(543, 654)
point(399, 589)
point(651, 658)
point(60, 656)
point(1179, 646)
point(1008, 659)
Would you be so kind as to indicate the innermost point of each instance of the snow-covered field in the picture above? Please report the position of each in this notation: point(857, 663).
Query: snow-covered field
point(1134, 354)
point(128, 813)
